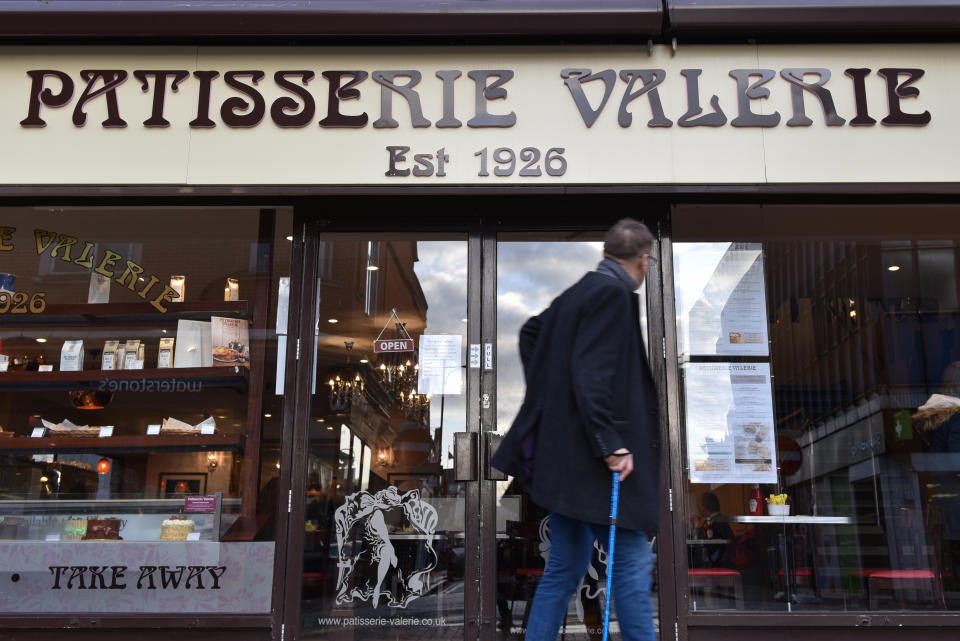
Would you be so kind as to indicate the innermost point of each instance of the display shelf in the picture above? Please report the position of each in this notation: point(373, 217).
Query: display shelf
point(76, 506)
point(229, 376)
point(107, 314)
point(140, 443)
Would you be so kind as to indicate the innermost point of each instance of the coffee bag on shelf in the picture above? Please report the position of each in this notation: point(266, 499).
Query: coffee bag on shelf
point(132, 357)
point(109, 359)
point(71, 356)
point(165, 355)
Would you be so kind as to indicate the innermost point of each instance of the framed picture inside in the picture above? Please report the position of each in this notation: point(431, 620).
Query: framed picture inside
point(425, 482)
point(177, 484)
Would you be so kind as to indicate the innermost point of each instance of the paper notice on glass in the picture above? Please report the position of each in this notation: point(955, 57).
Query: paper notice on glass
point(730, 315)
point(729, 420)
point(283, 304)
point(441, 360)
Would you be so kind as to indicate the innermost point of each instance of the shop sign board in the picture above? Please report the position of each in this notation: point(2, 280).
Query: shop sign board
point(393, 345)
point(480, 116)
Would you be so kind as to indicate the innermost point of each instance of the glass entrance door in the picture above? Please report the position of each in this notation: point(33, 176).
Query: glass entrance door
point(532, 269)
point(385, 540)
point(399, 527)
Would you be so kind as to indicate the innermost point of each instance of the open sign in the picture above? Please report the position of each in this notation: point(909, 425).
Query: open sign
point(393, 345)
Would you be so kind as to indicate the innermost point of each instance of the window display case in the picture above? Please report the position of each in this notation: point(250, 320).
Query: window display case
point(141, 411)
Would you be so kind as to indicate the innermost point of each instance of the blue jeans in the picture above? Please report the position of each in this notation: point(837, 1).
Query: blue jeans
point(571, 547)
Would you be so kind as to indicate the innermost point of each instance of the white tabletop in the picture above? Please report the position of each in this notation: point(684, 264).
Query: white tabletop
point(792, 520)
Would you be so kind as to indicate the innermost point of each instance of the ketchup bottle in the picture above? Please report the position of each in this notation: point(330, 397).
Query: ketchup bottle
point(756, 501)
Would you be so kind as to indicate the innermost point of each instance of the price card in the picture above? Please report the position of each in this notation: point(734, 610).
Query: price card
point(46, 368)
point(200, 504)
point(38, 432)
point(193, 536)
point(52, 537)
point(106, 430)
point(208, 429)
point(153, 430)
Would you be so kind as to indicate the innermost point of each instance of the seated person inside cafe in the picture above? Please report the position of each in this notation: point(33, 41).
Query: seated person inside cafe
point(713, 534)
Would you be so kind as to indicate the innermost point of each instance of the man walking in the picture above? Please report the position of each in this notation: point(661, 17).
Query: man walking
point(591, 408)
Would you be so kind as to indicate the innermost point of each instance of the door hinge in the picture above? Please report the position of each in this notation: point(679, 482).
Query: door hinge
point(298, 349)
point(676, 630)
point(663, 343)
point(283, 630)
point(290, 502)
point(670, 497)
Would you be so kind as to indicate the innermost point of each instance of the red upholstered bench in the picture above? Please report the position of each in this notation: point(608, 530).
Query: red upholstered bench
point(712, 578)
point(899, 581)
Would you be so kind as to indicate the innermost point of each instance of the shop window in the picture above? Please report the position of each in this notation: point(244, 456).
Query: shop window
point(820, 376)
point(139, 417)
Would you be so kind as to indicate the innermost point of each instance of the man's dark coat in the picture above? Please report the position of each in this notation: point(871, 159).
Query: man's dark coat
point(589, 392)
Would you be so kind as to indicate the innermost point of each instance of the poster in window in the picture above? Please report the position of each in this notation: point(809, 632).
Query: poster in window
point(729, 420)
point(730, 314)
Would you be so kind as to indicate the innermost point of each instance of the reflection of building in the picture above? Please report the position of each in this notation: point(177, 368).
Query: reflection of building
point(366, 401)
point(729, 314)
point(862, 334)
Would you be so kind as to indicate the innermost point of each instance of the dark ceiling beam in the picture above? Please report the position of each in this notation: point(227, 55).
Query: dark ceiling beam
point(813, 19)
point(318, 19)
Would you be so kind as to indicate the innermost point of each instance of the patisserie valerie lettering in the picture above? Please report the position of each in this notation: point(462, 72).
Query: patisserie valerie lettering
point(291, 104)
point(105, 262)
point(151, 577)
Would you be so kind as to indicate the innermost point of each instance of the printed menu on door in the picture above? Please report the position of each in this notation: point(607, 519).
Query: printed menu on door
point(730, 315)
point(730, 425)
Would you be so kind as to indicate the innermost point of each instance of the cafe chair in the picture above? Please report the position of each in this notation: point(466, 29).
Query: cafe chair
point(901, 583)
point(710, 580)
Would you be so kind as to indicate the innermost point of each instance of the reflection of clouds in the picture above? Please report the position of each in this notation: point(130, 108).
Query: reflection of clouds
point(529, 276)
point(693, 266)
point(442, 272)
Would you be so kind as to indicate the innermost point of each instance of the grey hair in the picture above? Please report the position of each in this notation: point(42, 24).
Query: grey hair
point(628, 238)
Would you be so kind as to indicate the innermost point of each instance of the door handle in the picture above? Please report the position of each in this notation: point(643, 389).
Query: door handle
point(491, 473)
point(465, 456)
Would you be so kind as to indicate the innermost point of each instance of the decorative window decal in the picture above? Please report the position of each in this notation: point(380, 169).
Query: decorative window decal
point(385, 547)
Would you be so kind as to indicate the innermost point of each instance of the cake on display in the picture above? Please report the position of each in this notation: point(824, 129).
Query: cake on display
point(74, 529)
point(176, 528)
point(103, 530)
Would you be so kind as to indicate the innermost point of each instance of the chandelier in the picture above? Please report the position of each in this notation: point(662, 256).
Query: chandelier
point(344, 390)
point(415, 406)
point(397, 370)
point(346, 385)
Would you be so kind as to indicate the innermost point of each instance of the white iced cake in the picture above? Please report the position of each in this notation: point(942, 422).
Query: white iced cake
point(175, 529)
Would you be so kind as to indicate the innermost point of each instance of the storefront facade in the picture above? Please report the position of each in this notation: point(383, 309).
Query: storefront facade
point(260, 287)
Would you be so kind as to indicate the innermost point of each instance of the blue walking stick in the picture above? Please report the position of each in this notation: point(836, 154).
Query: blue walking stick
point(614, 508)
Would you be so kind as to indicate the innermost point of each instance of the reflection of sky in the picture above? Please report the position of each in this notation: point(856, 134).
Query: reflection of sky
point(693, 266)
point(529, 276)
point(442, 272)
